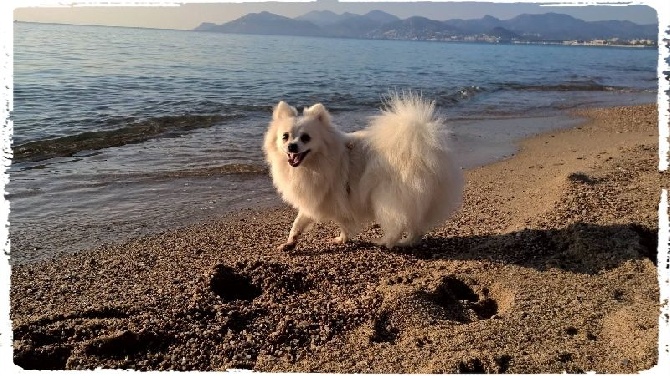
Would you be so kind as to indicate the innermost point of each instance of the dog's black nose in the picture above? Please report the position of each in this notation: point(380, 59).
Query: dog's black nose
point(292, 147)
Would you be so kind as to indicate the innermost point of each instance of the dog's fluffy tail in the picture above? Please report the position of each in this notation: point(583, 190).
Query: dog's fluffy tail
point(411, 141)
point(409, 135)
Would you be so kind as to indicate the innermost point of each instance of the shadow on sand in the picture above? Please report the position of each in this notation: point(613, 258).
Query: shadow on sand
point(580, 247)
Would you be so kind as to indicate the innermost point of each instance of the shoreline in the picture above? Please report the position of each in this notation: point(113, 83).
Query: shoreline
point(478, 142)
point(548, 267)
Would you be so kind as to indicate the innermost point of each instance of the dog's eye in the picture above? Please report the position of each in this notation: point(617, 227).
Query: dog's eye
point(284, 137)
point(305, 138)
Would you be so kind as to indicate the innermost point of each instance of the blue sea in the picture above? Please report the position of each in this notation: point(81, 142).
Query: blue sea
point(121, 132)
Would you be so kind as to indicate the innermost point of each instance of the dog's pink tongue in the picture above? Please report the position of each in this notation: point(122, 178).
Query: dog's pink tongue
point(293, 158)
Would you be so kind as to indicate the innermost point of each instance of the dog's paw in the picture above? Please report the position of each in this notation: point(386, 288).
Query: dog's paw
point(393, 243)
point(338, 240)
point(381, 242)
point(286, 247)
point(408, 242)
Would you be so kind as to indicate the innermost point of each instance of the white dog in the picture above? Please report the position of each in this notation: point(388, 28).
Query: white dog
point(397, 172)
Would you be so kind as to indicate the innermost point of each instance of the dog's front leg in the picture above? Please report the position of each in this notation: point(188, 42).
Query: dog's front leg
point(300, 224)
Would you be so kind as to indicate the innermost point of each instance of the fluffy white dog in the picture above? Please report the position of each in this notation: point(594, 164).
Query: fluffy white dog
point(397, 172)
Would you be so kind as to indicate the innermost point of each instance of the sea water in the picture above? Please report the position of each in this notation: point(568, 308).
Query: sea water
point(120, 132)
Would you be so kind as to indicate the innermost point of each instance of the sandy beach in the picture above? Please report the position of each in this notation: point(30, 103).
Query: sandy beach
point(550, 266)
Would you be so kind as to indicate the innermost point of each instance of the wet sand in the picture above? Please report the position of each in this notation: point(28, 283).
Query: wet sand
point(550, 266)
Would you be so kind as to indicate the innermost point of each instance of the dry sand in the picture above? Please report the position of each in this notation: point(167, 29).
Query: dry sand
point(549, 267)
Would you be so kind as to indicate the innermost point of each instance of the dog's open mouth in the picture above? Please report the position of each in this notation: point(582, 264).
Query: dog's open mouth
point(294, 159)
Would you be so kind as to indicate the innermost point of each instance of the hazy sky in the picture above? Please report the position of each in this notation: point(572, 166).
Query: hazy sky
point(190, 15)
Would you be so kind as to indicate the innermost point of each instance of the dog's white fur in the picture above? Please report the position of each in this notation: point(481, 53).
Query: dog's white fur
point(397, 172)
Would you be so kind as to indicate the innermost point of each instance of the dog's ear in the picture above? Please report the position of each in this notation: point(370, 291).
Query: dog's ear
point(319, 112)
point(283, 110)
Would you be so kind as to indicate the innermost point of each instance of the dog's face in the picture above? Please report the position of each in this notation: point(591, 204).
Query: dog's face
point(298, 137)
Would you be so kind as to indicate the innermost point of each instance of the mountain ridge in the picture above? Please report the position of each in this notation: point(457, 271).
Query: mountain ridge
point(378, 24)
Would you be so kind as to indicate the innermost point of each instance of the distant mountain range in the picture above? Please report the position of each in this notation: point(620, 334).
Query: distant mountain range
point(381, 25)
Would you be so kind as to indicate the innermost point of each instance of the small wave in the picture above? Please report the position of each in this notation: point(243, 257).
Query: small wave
point(564, 86)
point(237, 171)
point(227, 169)
point(137, 132)
point(461, 94)
point(251, 170)
point(241, 169)
point(337, 102)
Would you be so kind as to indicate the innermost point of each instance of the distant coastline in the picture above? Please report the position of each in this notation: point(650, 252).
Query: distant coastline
point(543, 42)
